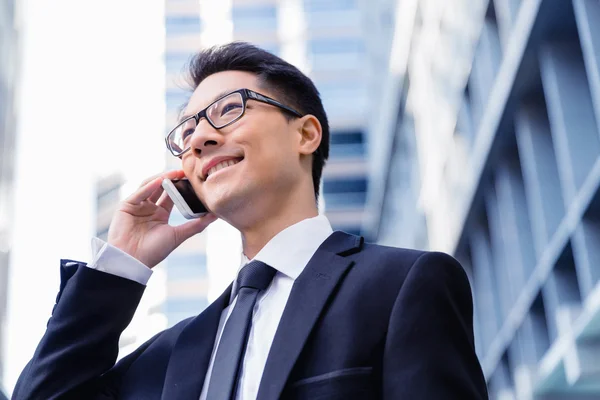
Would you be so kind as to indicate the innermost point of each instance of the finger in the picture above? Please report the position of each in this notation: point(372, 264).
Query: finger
point(190, 228)
point(156, 195)
point(148, 180)
point(145, 191)
point(173, 174)
point(165, 202)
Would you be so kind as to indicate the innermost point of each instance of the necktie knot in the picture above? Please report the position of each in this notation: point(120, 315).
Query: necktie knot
point(256, 275)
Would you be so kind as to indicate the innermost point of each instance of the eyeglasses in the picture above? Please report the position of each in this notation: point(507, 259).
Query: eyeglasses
point(219, 114)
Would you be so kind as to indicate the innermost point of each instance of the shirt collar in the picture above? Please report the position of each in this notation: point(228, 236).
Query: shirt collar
point(291, 249)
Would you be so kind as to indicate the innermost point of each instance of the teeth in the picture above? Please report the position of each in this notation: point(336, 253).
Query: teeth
point(221, 165)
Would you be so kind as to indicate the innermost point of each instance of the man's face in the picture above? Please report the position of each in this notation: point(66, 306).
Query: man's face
point(256, 155)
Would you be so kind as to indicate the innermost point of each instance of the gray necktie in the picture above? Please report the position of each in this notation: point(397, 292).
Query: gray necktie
point(252, 278)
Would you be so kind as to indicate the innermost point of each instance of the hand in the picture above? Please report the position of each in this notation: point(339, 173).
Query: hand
point(140, 227)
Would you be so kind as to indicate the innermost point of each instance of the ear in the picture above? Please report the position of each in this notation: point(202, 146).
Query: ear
point(311, 133)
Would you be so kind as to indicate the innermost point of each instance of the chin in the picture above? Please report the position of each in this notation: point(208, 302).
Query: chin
point(226, 203)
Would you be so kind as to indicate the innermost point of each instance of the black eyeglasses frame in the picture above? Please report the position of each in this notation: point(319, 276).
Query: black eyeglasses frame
point(247, 94)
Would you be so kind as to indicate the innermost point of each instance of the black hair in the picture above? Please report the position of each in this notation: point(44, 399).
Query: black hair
point(287, 82)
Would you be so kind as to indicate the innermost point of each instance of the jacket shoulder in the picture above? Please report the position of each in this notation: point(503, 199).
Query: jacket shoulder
point(389, 254)
point(397, 261)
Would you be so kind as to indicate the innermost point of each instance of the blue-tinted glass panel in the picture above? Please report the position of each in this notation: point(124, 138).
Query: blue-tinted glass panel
point(176, 62)
point(346, 137)
point(343, 200)
point(186, 266)
point(324, 20)
point(336, 45)
point(329, 54)
point(329, 5)
point(175, 98)
point(343, 97)
point(347, 85)
point(345, 185)
point(347, 150)
point(255, 18)
point(346, 90)
point(340, 107)
point(184, 24)
point(259, 12)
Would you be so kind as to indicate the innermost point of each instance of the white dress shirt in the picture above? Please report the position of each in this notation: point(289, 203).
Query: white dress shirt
point(288, 252)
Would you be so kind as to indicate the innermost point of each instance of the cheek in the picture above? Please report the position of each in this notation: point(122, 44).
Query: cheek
point(272, 167)
point(188, 164)
point(265, 156)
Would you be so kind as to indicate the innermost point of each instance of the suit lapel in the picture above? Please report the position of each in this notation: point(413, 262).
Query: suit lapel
point(191, 354)
point(309, 295)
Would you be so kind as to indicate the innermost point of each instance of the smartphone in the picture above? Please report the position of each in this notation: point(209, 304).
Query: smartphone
point(185, 199)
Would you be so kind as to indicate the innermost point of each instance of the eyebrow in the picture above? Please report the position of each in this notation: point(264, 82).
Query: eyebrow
point(215, 98)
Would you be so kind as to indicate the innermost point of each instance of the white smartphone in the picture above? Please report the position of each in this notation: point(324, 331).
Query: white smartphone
point(185, 199)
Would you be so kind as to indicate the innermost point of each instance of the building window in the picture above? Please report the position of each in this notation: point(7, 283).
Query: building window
point(334, 13)
point(182, 25)
point(345, 200)
point(176, 98)
point(327, 54)
point(342, 88)
point(344, 95)
point(340, 107)
point(255, 18)
point(336, 45)
point(347, 150)
point(345, 185)
point(346, 137)
point(175, 63)
point(328, 5)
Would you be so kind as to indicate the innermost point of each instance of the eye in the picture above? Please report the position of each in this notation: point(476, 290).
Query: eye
point(187, 133)
point(230, 107)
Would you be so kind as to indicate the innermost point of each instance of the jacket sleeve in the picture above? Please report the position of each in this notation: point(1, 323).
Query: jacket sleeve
point(429, 350)
point(81, 340)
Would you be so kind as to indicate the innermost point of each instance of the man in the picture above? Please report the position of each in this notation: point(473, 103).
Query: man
point(313, 314)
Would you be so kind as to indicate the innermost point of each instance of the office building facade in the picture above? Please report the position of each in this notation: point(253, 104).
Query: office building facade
point(497, 104)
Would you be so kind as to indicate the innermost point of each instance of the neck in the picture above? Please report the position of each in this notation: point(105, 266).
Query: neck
point(277, 216)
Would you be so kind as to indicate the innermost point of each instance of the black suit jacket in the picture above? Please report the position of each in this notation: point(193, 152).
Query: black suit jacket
point(362, 322)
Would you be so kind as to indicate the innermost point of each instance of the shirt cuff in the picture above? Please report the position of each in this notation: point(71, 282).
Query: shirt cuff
point(109, 259)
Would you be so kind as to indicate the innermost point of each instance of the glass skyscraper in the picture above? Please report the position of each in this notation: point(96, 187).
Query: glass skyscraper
point(490, 150)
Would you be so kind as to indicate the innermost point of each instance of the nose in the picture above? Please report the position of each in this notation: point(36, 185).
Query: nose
point(204, 138)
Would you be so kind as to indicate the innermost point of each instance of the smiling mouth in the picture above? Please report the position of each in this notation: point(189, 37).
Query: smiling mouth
point(222, 165)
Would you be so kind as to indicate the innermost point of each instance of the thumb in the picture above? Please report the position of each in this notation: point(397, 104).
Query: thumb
point(185, 231)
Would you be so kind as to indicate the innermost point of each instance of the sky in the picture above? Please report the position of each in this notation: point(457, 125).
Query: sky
point(91, 102)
